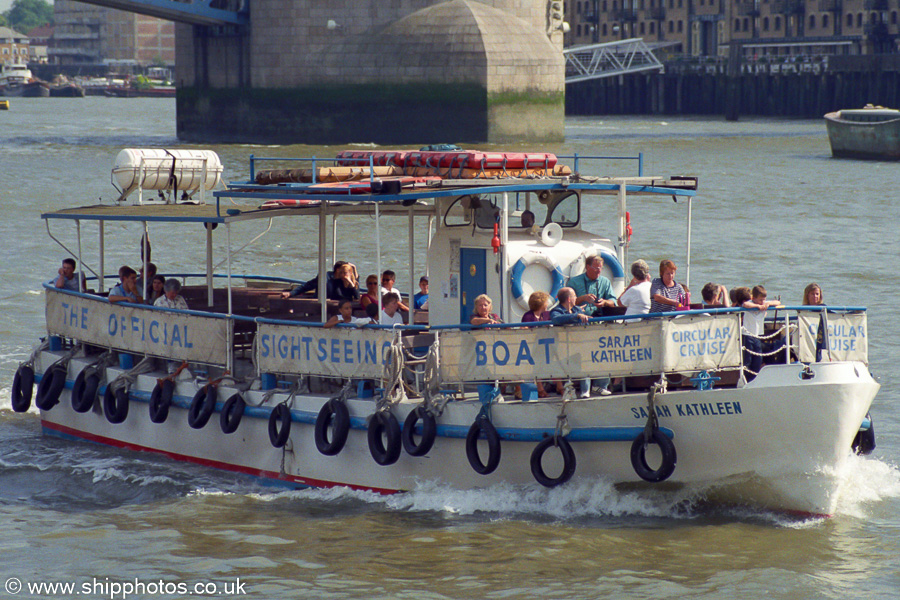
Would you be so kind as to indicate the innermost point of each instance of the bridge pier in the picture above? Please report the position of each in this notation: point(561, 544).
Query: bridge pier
point(404, 72)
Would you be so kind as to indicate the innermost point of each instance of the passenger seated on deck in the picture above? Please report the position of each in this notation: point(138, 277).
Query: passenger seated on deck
point(715, 296)
point(126, 290)
point(566, 313)
point(420, 300)
point(666, 294)
point(752, 328)
point(345, 315)
point(345, 283)
point(156, 289)
point(371, 295)
point(390, 310)
point(636, 297)
point(67, 278)
point(313, 284)
point(170, 297)
point(387, 287)
point(142, 282)
point(592, 290)
point(482, 314)
point(538, 304)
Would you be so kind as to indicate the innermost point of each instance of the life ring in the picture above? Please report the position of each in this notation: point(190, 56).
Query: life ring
point(52, 383)
point(864, 442)
point(161, 400)
point(429, 432)
point(384, 425)
point(115, 404)
point(530, 258)
point(568, 454)
point(232, 411)
point(280, 425)
point(333, 413)
point(22, 388)
point(84, 391)
point(483, 425)
point(639, 457)
point(202, 407)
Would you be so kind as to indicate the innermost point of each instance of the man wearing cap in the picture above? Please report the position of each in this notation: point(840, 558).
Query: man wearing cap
point(420, 300)
point(593, 289)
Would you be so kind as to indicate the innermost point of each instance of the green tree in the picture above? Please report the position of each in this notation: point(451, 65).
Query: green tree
point(25, 15)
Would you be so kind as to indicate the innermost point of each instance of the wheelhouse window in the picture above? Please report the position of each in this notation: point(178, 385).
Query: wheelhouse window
point(546, 207)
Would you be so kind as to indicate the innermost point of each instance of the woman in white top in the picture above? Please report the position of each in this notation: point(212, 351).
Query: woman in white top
point(636, 297)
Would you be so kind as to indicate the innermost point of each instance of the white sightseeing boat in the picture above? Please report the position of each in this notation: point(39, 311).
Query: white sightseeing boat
point(264, 390)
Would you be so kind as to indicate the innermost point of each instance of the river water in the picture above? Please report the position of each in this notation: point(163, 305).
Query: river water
point(773, 208)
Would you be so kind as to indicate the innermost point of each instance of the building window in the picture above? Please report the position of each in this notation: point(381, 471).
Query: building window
point(604, 5)
point(894, 17)
point(824, 21)
point(777, 23)
point(671, 26)
point(604, 30)
point(578, 30)
point(765, 23)
point(615, 5)
point(737, 24)
point(812, 21)
point(859, 19)
point(849, 20)
point(652, 27)
point(680, 3)
point(680, 26)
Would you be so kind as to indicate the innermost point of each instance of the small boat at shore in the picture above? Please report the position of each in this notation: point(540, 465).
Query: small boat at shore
point(251, 381)
point(871, 132)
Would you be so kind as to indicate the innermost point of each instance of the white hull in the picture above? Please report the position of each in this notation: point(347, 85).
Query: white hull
point(775, 443)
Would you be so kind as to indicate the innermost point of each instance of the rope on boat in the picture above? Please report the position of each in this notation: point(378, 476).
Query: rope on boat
point(562, 423)
point(98, 368)
point(127, 378)
point(392, 376)
point(34, 354)
point(652, 420)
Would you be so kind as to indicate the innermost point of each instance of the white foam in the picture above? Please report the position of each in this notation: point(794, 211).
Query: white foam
point(865, 482)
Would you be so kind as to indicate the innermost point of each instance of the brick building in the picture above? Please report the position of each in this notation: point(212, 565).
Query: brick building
point(762, 27)
point(86, 34)
point(13, 46)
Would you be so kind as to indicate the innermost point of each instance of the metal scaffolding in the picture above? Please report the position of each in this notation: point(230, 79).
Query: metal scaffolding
point(608, 59)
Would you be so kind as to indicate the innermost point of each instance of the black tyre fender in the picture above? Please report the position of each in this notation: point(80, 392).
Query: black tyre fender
point(84, 392)
point(22, 388)
point(202, 406)
point(333, 413)
point(864, 442)
point(429, 432)
point(569, 463)
point(161, 400)
point(232, 412)
point(280, 425)
point(50, 387)
point(639, 457)
point(483, 426)
point(115, 405)
point(384, 425)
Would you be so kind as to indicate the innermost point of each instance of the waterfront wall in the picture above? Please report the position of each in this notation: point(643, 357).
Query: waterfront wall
point(390, 72)
point(791, 92)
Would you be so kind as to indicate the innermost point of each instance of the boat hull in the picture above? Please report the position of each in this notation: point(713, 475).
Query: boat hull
point(777, 443)
point(862, 140)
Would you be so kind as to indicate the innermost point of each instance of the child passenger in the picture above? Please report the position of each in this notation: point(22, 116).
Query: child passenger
point(345, 315)
point(753, 326)
point(539, 305)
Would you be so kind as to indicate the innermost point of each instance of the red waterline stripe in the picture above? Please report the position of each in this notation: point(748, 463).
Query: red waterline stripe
point(301, 481)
